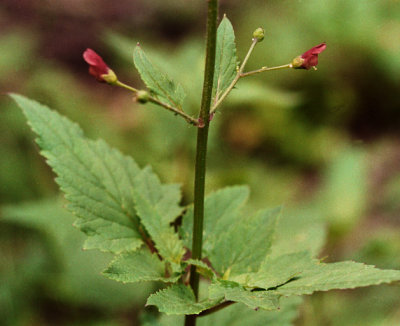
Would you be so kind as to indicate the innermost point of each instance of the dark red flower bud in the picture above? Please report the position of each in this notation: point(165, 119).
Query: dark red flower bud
point(98, 68)
point(308, 59)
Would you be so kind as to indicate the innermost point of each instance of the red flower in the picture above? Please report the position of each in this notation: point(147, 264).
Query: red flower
point(98, 68)
point(310, 58)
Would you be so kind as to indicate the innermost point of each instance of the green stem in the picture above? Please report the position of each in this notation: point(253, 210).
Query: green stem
point(176, 111)
point(237, 77)
point(201, 151)
point(245, 74)
point(129, 88)
point(152, 99)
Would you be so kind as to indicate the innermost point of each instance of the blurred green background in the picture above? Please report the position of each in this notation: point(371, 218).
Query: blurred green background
point(323, 143)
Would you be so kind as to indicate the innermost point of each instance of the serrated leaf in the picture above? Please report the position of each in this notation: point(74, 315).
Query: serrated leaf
point(225, 58)
point(179, 299)
point(232, 291)
point(159, 83)
point(138, 266)
point(342, 275)
point(96, 179)
point(243, 247)
point(221, 209)
point(275, 271)
point(157, 206)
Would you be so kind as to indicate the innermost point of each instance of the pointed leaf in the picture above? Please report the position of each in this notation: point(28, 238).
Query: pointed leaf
point(159, 83)
point(179, 299)
point(232, 291)
point(157, 205)
point(96, 179)
point(245, 245)
point(342, 275)
point(225, 59)
point(138, 266)
point(221, 209)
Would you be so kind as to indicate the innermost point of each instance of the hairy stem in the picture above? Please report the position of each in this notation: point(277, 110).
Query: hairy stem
point(201, 150)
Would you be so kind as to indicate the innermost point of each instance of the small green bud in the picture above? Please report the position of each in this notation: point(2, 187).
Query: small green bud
point(142, 97)
point(259, 34)
point(110, 77)
point(297, 63)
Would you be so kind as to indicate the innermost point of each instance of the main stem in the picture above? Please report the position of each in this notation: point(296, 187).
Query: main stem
point(201, 150)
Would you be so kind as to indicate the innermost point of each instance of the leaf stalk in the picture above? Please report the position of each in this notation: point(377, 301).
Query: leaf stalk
point(154, 100)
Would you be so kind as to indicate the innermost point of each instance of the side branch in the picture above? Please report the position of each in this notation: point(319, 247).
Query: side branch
point(152, 99)
point(245, 74)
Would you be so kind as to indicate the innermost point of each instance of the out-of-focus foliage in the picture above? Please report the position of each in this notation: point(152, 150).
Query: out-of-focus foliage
point(51, 265)
point(323, 143)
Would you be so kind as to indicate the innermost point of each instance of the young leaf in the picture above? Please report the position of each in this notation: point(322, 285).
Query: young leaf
point(138, 266)
point(225, 59)
point(179, 299)
point(232, 291)
point(96, 179)
point(342, 275)
point(157, 206)
point(243, 247)
point(221, 209)
point(161, 86)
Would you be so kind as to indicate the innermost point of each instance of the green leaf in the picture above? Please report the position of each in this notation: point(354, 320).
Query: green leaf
point(202, 268)
point(342, 275)
point(243, 247)
point(159, 83)
point(275, 271)
point(157, 205)
point(225, 59)
point(179, 299)
point(221, 209)
point(138, 266)
point(232, 291)
point(96, 179)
